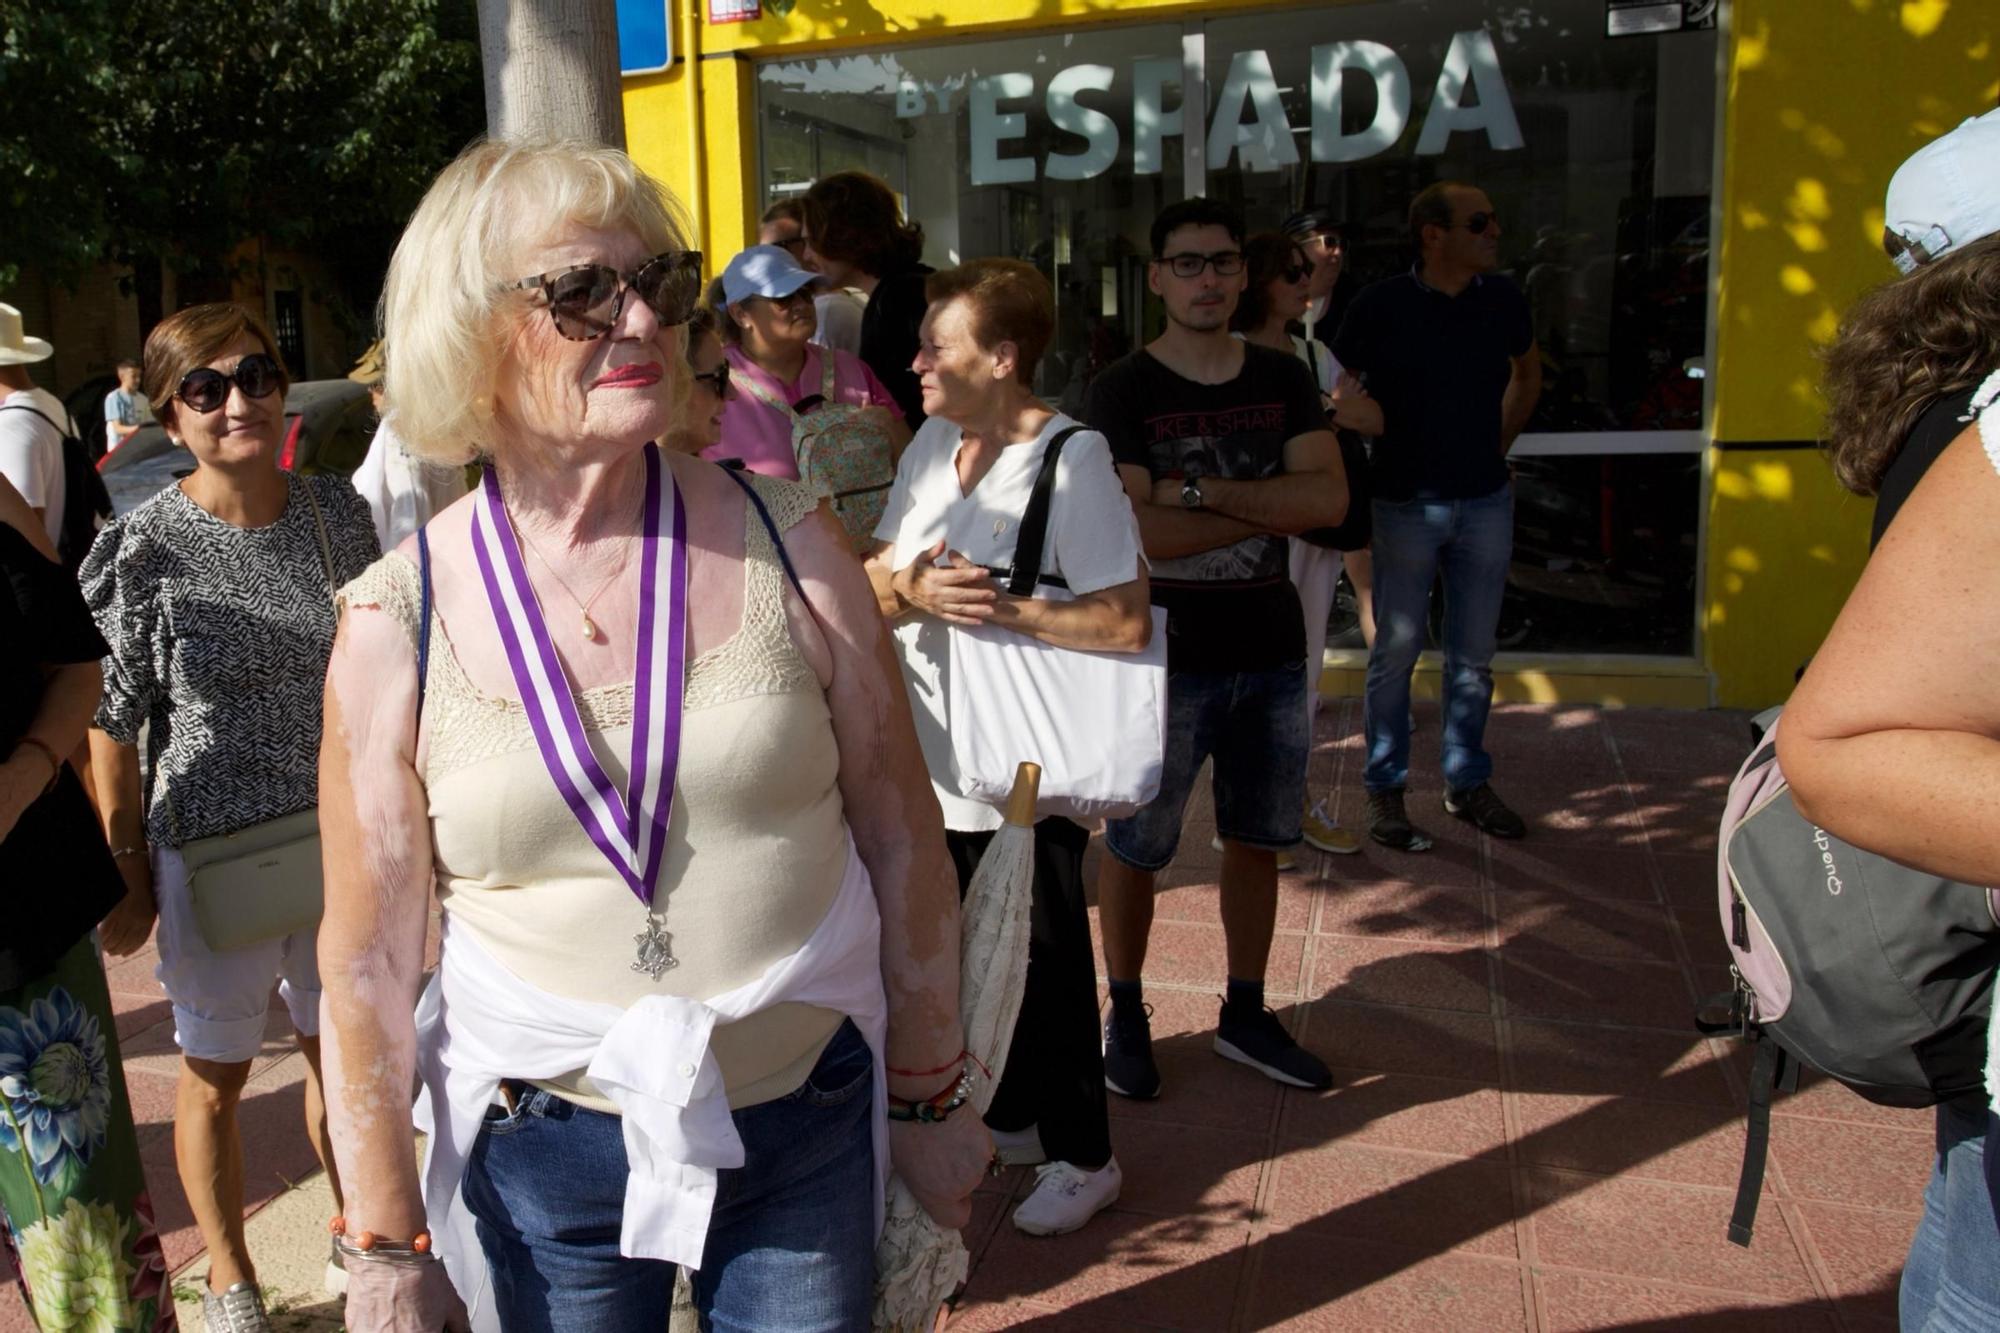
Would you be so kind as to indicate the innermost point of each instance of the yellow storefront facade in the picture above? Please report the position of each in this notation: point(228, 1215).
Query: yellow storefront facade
point(1689, 211)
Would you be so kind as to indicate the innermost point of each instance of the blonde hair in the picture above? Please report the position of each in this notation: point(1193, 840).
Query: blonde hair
point(442, 331)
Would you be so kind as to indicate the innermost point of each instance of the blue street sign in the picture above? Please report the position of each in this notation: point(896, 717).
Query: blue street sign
point(645, 36)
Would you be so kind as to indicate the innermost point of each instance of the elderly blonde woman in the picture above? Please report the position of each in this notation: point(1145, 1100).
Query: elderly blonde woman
point(649, 744)
point(953, 514)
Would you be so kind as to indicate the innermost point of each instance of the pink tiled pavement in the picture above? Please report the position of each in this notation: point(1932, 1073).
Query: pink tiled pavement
point(1524, 1133)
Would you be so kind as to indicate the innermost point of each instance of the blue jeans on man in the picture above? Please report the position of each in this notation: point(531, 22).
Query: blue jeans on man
point(1469, 543)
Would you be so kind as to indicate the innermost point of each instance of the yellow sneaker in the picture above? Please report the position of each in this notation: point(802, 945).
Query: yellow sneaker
point(1323, 832)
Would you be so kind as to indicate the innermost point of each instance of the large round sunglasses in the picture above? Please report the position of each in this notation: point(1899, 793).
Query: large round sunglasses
point(585, 300)
point(205, 389)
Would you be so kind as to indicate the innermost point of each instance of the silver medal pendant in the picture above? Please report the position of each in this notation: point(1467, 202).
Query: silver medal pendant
point(656, 954)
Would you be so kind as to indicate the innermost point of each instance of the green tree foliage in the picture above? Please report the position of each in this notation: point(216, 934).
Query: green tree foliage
point(174, 130)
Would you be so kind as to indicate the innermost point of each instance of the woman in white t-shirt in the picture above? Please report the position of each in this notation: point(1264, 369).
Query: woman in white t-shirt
point(1276, 296)
point(954, 514)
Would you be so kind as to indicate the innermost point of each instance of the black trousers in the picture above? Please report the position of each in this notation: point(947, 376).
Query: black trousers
point(1055, 1064)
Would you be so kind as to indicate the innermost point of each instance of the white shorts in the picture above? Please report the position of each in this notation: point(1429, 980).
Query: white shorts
point(220, 999)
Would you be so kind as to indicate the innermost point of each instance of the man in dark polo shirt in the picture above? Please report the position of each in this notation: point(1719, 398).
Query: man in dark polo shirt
point(1224, 449)
point(1448, 350)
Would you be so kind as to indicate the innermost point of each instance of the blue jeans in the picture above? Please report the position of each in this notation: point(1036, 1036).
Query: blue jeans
point(1951, 1281)
point(1253, 723)
point(791, 1244)
point(1470, 541)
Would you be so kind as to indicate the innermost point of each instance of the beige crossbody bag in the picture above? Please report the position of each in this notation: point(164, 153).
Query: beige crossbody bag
point(262, 882)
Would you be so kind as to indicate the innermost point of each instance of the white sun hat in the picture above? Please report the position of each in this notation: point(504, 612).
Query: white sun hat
point(16, 348)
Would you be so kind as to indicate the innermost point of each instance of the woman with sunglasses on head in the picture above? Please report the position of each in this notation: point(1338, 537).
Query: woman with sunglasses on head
point(215, 597)
point(1278, 295)
point(634, 716)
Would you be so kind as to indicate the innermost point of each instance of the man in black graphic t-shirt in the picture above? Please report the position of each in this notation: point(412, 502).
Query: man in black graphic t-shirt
point(1225, 450)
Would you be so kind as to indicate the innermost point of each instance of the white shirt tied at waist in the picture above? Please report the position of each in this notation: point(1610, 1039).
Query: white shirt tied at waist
point(478, 1023)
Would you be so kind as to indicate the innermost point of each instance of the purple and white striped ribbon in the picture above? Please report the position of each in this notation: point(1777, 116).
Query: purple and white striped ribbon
point(630, 829)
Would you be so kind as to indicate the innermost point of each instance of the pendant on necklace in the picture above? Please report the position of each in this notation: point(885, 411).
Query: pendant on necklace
point(589, 628)
point(656, 955)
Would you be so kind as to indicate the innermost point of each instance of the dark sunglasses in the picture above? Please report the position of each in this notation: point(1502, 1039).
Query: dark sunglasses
point(585, 300)
point(1478, 223)
point(204, 389)
point(1295, 272)
point(717, 380)
point(796, 247)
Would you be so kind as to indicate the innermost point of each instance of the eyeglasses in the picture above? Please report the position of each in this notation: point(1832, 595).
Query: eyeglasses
point(1228, 263)
point(717, 380)
point(1295, 272)
point(585, 300)
point(796, 247)
point(204, 389)
point(1479, 222)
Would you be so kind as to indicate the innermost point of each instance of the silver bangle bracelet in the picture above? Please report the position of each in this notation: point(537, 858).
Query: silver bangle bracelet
point(398, 1256)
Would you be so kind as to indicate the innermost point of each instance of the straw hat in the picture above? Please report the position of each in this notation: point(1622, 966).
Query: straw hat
point(16, 348)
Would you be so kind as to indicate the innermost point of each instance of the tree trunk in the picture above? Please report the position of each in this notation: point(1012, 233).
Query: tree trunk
point(552, 69)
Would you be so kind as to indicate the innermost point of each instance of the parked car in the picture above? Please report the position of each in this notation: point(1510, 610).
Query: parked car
point(328, 427)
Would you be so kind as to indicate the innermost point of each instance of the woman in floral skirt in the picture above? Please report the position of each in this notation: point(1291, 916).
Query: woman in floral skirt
point(78, 1225)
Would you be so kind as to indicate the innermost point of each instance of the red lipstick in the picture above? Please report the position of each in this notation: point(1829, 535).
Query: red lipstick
point(639, 375)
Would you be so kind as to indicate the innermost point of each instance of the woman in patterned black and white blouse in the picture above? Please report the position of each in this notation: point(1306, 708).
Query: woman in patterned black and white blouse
point(214, 597)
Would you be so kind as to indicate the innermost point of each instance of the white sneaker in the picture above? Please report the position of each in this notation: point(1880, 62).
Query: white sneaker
point(1019, 1147)
point(1286, 861)
point(1066, 1197)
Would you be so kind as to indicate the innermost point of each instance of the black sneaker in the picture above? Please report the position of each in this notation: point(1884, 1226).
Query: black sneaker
point(1389, 825)
point(1129, 1070)
point(1256, 1038)
point(1482, 808)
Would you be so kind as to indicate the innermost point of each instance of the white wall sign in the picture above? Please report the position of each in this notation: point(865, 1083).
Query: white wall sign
point(1249, 124)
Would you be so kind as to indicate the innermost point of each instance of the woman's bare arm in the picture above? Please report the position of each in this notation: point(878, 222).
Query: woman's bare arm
point(1117, 619)
point(1892, 740)
point(899, 834)
point(114, 770)
point(375, 831)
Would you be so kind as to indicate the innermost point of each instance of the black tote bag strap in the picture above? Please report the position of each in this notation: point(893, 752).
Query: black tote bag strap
point(1027, 568)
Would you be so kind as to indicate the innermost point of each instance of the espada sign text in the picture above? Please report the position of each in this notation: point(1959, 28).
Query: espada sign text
point(1250, 124)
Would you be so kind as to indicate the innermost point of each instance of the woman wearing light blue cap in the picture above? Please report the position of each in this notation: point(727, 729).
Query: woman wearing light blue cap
point(763, 304)
point(1892, 740)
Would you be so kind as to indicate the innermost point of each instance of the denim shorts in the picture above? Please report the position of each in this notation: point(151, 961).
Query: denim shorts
point(1253, 723)
point(791, 1243)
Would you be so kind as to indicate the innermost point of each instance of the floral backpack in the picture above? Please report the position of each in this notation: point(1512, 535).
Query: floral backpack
point(843, 451)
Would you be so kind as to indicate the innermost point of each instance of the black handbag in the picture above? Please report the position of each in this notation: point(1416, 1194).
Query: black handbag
point(1353, 532)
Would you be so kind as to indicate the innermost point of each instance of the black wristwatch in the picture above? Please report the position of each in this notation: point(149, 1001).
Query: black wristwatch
point(1191, 493)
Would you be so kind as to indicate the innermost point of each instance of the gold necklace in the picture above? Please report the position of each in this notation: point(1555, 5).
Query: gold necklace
point(590, 630)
